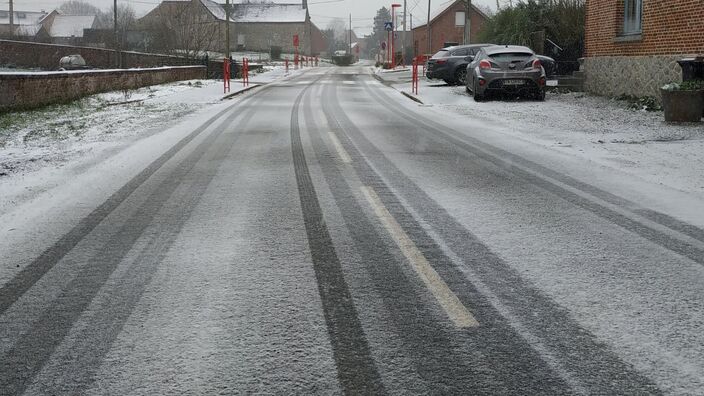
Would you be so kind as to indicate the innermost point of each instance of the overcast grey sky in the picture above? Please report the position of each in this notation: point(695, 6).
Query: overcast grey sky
point(322, 11)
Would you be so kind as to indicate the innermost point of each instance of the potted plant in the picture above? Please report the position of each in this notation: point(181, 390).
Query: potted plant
point(683, 102)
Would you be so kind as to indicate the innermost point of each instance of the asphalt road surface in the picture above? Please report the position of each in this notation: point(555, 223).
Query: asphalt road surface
point(319, 236)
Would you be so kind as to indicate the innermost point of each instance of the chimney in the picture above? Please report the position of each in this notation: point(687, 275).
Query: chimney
point(305, 4)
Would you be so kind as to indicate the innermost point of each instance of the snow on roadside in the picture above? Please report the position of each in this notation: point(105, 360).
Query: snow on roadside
point(603, 130)
point(52, 135)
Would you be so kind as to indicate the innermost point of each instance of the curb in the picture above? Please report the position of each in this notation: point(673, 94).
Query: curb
point(411, 97)
point(232, 95)
point(388, 84)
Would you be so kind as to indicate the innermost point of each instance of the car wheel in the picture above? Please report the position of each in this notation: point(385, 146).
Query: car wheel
point(448, 82)
point(461, 76)
point(477, 97)
point(540, 95)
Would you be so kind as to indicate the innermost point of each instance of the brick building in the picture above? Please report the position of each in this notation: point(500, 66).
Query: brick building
point(447, 25)
point(631, 46)
point(191, 26)
point(261, 25)
point(199, 25)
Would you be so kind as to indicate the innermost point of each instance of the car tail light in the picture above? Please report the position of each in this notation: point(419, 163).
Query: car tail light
point(482, 82)
point(441, 61)
point(485, 64)
point(537, 65)
point(541, 81)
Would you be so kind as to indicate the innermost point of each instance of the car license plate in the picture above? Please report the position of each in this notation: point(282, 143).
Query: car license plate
point(513, 82)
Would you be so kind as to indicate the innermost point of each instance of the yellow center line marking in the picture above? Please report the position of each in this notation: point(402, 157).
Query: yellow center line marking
point(455, 310)
point(340, 150)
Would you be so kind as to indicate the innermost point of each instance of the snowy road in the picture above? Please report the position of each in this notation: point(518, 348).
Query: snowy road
point(325, 235)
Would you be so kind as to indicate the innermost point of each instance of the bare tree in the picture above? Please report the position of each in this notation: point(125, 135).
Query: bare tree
point(189, 31)
point(78, 7)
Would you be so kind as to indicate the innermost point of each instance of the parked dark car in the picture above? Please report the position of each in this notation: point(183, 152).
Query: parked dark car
point(508, 69)
point(450, 63)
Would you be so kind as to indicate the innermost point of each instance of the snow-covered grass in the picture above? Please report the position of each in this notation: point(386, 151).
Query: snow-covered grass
point(603, 130)
point(54, 134)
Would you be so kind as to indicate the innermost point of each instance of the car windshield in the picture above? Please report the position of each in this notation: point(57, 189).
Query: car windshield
point(441, 54)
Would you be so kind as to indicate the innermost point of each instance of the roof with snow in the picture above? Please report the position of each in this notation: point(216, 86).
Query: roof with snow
point(21, 18)
point(446, 6)
point(70, 25)
point(215, 9)
point(268, 12)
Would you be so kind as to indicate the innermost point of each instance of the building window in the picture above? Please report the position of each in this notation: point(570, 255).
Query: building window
point(459, 18)
point(632, 16)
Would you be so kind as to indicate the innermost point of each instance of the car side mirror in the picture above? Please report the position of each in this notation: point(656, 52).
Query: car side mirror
point(469, 58)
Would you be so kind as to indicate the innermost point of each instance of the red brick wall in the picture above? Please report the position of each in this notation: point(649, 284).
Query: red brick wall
point(46, 56)
point(669, 27)
point(19, 91)
point(443, 29)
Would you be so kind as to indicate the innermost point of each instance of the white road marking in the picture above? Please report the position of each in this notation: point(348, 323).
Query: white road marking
point(340, 150)
point(349, 82)
point(455, 310)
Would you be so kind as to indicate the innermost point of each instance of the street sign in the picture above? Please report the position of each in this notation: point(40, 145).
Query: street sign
point(389, 26)
point(295, 40)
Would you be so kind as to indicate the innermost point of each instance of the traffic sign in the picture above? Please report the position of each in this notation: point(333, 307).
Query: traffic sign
point(389, 26)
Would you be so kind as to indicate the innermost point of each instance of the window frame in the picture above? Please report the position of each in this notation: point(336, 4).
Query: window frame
point(457, 19)
point(632, 26)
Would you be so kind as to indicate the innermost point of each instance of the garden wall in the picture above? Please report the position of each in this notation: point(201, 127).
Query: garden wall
point(21, 91)
point(30, 55)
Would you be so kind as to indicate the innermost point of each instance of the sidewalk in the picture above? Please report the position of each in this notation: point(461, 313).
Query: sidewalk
point(601, 130)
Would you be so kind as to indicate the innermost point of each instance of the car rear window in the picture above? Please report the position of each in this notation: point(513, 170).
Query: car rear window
point(442, 54)
point(508, 56)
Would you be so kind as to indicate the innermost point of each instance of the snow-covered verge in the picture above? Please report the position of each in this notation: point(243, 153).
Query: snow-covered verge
point(30, 140)
point(602, 130)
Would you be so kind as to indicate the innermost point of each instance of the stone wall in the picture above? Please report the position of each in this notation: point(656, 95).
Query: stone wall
point(21, 91)
point(631, 75)
point(46, 56)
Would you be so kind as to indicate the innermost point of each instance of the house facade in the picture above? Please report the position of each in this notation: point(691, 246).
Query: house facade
point(447, 25)
point(191, 26)
point(632, 46)
point(262, 25)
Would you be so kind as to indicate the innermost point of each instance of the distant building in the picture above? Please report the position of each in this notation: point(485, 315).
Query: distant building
point(57, 28)
point(25, 24)
point(447, 26)
point(200, 25)
point(261, 26)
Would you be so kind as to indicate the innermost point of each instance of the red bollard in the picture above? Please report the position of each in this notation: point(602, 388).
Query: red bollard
point(226, 75)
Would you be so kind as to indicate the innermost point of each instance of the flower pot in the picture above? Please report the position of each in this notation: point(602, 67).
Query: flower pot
point(683, 106)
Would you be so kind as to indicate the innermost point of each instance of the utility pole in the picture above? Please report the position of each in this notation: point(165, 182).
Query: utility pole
point(350, 34)
point(498, 6)
point(12, 19)
point(403, 35)
point(117, 35)
point(227, 30)
point(430, 44)
point(468, 21)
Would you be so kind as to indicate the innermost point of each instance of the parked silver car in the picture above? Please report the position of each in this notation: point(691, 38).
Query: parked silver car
point(508, 69)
